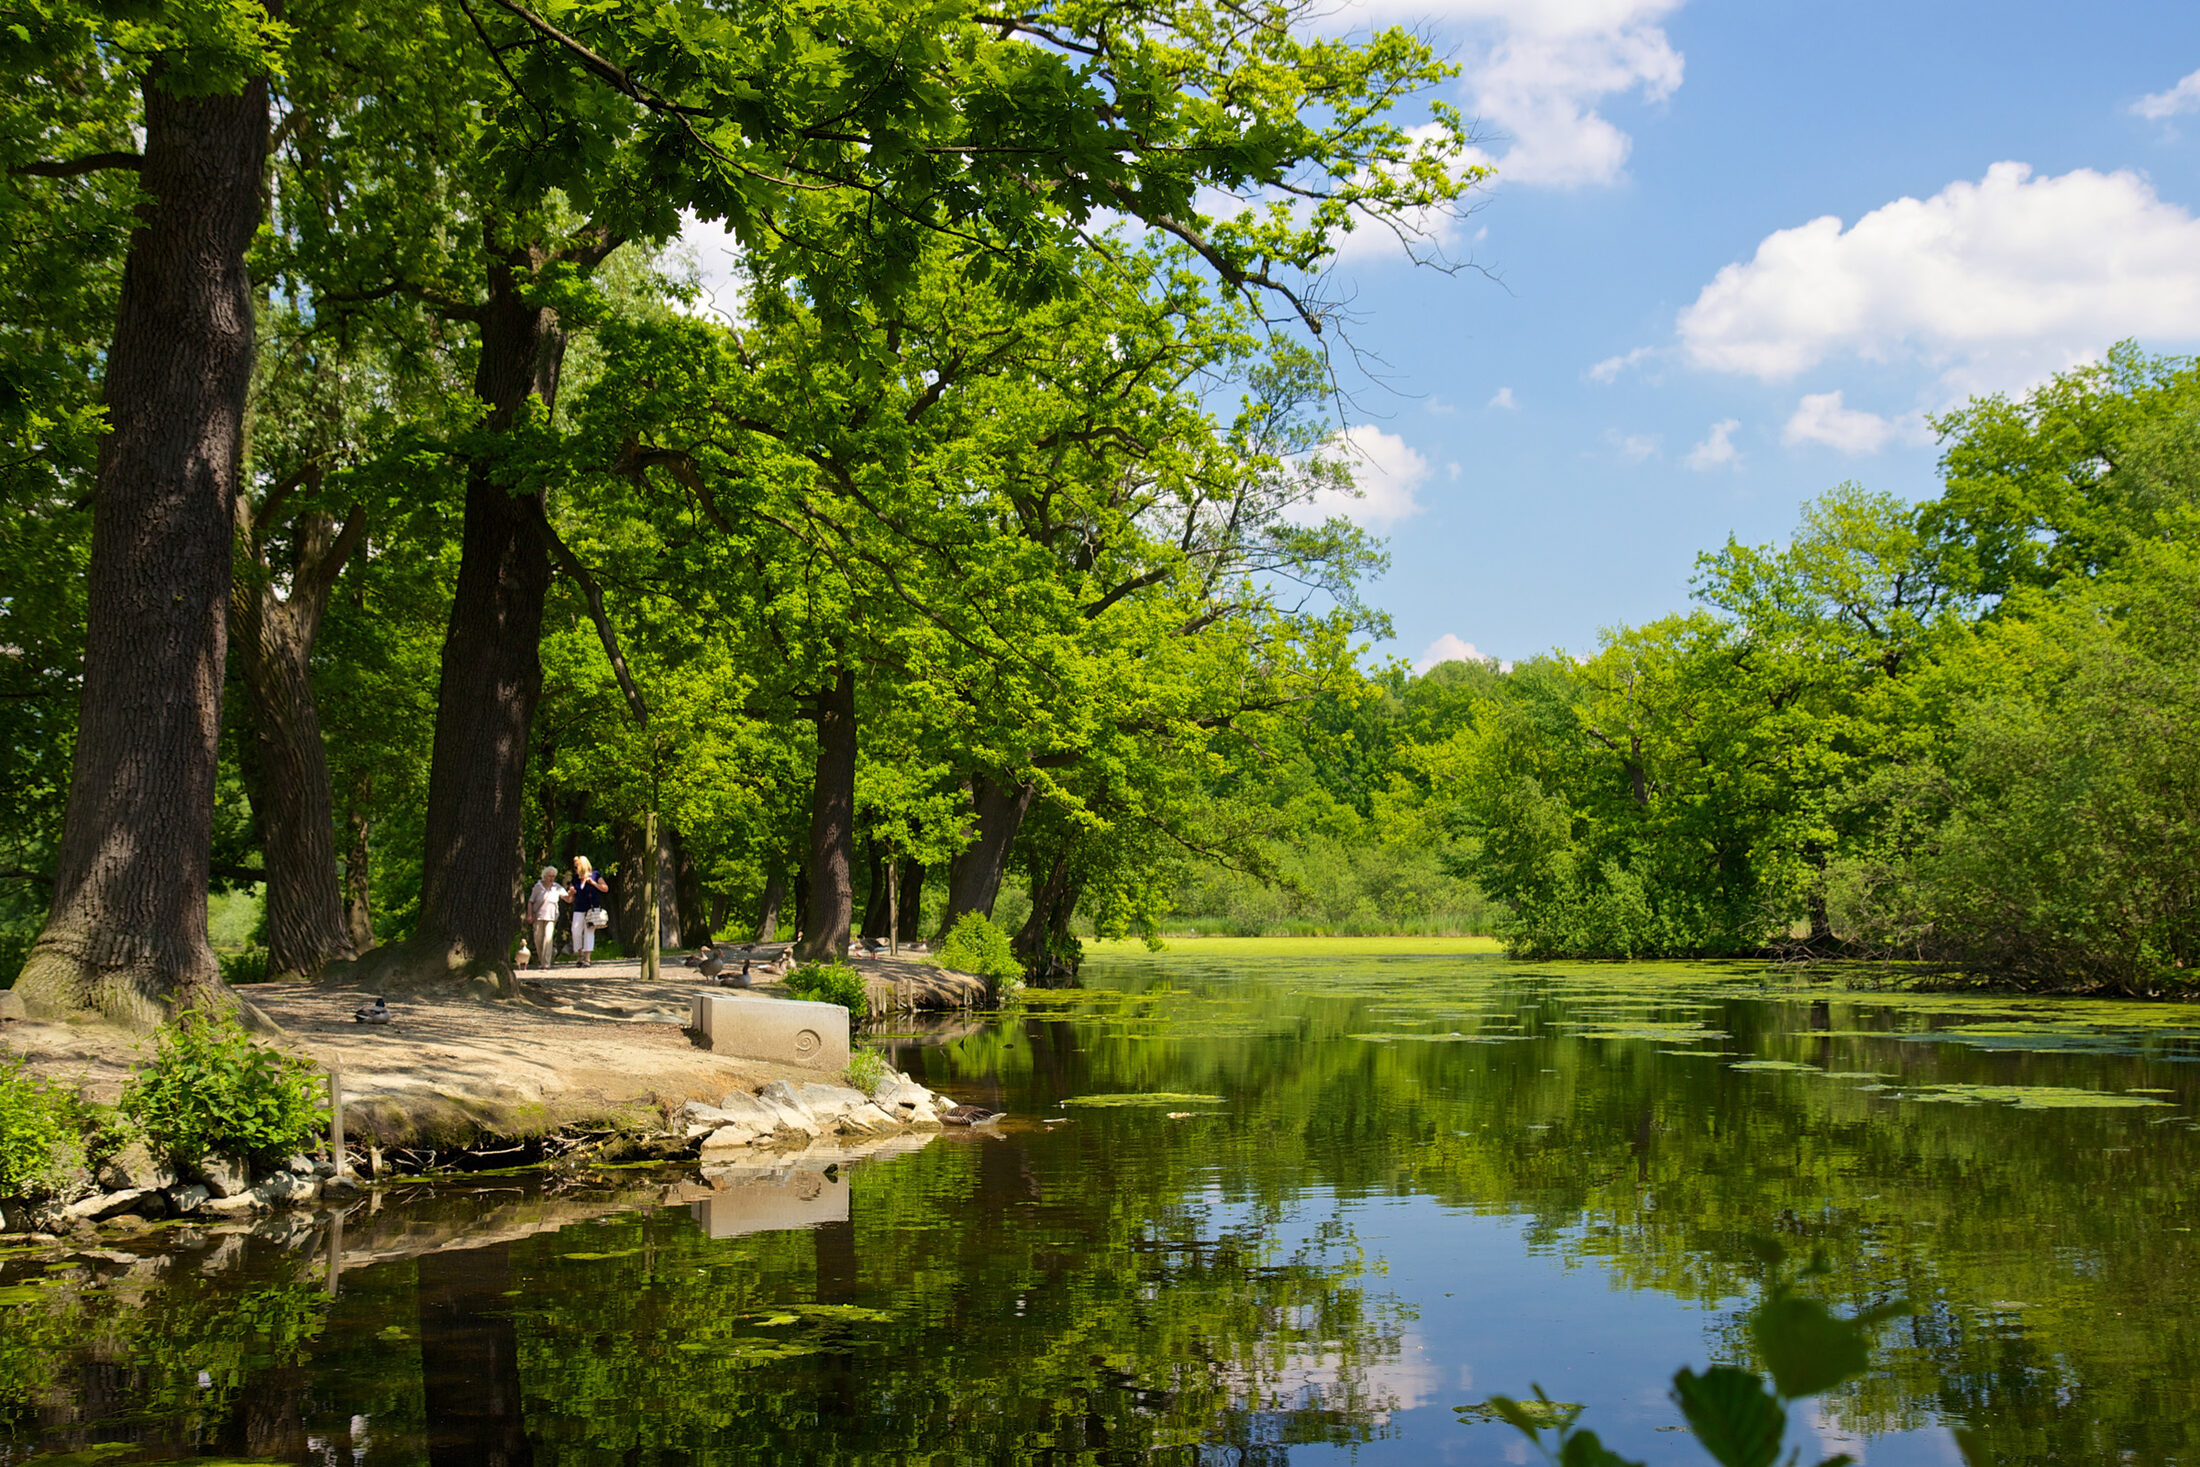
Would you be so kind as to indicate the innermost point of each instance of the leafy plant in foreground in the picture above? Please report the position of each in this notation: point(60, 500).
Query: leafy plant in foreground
point(39, 1131)
point(210, 1090)
point(831, 983)
point(975, 945)
point(1737, 1417)
point(865, 1070)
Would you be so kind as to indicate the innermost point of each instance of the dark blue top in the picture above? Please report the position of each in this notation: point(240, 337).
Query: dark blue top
point(588, 894)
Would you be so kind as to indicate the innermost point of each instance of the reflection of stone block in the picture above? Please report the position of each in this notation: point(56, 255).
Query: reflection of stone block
point(786, 1030)
point(800, 1198)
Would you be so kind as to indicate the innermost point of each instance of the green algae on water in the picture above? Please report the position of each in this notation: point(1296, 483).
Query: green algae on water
point(1151, 1097)
point(2034, 1097)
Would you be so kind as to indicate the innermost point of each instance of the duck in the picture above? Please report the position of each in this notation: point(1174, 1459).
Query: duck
point(969, 1115)
point(377, 1012)
point(706, 961)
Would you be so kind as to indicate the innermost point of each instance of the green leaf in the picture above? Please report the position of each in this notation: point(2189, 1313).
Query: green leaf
point(1739, 1422)
point(1806, 1346)
point(1582, 1449)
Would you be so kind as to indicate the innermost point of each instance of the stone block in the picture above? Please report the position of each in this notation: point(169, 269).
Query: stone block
point(787, 1031)
point(187, 1198)
point(240, 1202)
point(740, 1108)
point(287, 1189)
point(787, 1110)
point(868, 1120)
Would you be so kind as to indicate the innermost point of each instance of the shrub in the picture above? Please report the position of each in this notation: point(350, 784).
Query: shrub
point(831, 983)
point(210, 1090)
point(865, 1069)
point(975, 945)
point(40, 1131)
point(249, 966)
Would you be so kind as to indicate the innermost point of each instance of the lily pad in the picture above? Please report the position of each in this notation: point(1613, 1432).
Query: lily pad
point(2035, 1097)
point(1151, 1097)
point(1764, 1064)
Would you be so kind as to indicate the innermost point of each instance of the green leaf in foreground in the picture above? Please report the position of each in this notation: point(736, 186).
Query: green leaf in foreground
point(1739, 1422)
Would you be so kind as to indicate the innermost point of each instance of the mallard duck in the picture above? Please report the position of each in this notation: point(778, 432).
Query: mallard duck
point(377, 1012)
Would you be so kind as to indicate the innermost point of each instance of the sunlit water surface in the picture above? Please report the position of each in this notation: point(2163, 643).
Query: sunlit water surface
point(1344, 1198)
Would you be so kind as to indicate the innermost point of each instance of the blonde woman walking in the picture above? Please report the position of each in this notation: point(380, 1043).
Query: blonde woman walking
point(589, 912)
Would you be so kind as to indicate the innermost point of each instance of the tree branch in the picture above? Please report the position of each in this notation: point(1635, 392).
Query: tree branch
point(78, 167)
point(570, 563)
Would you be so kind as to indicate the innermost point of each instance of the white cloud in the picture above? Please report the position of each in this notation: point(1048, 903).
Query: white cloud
point(1717, 449)
point(1609, 369)
point(1994, 283)
point(1504, 399)
point(1385, 469)
point(1820, 418)
point(1639, 446)
point(1535, 72)
point(1447, 648)
point(2161, 106)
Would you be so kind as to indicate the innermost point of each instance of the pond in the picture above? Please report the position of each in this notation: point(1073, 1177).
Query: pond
point(1245, 1211)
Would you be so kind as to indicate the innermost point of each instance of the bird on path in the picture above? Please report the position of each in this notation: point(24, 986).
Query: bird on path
point(377, 1012)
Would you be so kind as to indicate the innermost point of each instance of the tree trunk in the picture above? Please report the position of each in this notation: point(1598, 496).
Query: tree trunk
point(628, 889)
point(694, 926)
point(767, 906)
point(974, 880)
point(877, 896)
point(359, 877)
point(492, 676)
point(125, 938)
point(832, 824)
point(272, 635)
point(1030, 942)
point(911, 901)
point(653, 894)
point(472, 1405)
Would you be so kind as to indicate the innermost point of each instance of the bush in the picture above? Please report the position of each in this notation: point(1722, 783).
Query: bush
point(249, 966)
point(865, 1069)
point(210, 1090)
point(40, 1131)
point(975, 945)
point(831, 983)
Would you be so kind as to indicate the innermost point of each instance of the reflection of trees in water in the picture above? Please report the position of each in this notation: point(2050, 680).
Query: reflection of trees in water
point(1662, 1168)
point(987, 1300)
point(469, 1360)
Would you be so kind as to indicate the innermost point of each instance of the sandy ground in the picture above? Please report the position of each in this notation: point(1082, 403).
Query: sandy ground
point(586, 1046)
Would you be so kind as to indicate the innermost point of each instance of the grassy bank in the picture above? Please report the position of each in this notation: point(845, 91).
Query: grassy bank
point(1299, 947)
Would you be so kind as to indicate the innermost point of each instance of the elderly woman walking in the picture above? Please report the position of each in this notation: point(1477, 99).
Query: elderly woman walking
point(542, 915)
point(589, 912)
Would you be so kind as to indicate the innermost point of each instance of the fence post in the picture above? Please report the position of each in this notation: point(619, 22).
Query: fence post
point(336, 1150)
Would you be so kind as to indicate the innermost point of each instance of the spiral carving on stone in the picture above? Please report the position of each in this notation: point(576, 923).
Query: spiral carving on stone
point(806, 1043)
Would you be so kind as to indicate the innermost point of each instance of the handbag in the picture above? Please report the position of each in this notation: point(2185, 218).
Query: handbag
point(599, 917)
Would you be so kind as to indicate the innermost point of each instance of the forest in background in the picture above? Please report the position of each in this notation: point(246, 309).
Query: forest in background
point(386, 517)
point(1964, 732)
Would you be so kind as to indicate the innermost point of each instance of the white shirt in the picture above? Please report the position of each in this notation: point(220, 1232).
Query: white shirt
point(542, 902)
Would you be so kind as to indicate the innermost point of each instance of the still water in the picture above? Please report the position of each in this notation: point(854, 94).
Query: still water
point(1324, 1204)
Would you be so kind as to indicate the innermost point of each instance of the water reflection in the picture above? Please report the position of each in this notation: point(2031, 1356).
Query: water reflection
point(1424, 1183)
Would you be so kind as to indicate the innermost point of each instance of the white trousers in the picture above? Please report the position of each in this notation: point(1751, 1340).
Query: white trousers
point(584, 936)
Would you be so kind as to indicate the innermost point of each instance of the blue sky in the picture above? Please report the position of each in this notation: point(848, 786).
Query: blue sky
point(1785, 231)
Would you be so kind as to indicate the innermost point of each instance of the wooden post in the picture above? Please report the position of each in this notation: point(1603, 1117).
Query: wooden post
point(893, 905)
point(649, 897)
point(336, 1121)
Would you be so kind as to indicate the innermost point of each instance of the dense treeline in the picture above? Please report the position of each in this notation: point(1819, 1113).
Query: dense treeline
point(1965, 731)
point(385, 519)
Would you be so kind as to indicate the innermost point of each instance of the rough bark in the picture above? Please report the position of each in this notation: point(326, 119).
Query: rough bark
point(974, 880)
point(631, 896)
point(1043, 943)
point(832, 825)
point(768, 905)
point(271, 637)
point(877, 899)
point(359, 877)
point(471, 871)
point(694, 925)
point(125, 938)
point(911, 901)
